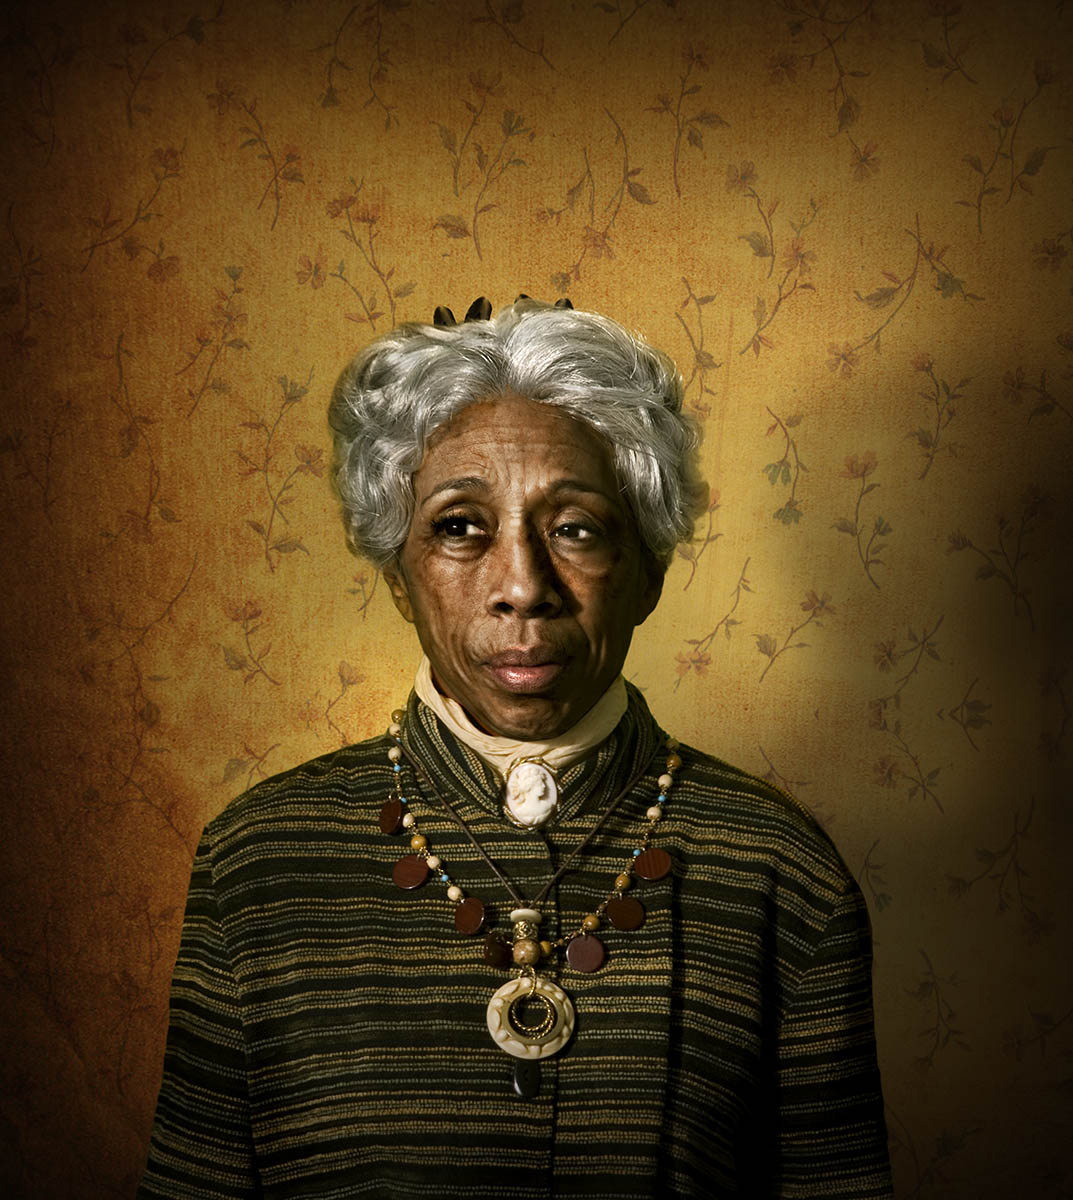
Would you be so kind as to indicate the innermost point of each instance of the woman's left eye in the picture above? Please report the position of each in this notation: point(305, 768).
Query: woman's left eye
point(574, 531)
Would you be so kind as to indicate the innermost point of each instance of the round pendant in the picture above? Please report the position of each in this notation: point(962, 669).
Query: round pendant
point(391, 816)
point(539, 1033)
point(409, 872)
point(626, 913)
point(585, 953)
point(469, 915)
point(652, 864)
point(532, 795)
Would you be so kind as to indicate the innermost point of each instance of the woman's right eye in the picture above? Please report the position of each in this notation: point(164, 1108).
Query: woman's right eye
point(455, 528)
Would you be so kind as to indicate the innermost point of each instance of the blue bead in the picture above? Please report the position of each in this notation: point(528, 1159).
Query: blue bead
point(443, 879)
point(396, 767)
point(637, 853)
point(661, 798)
point(402, 799)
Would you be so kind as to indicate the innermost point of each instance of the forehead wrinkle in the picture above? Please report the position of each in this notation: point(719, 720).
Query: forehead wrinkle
point(465, 483)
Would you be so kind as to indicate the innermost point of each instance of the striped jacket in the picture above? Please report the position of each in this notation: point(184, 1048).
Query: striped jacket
point(328, 1036)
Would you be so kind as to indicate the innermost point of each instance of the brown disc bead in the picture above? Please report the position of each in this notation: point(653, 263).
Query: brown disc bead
point(652, 864)
point(585, 953)
point(624, 912)
point(410, 872)
point(469, 915)
point(496, 951)
point(391, 816)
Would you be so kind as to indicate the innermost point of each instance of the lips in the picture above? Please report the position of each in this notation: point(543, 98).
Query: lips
point(525, 670)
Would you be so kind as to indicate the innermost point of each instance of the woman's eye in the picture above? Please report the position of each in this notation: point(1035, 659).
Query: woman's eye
point(574, 531)
point(454, 528)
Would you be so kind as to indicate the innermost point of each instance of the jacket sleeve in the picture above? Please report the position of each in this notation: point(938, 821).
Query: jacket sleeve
point(201, 1143)
point(829, 1125)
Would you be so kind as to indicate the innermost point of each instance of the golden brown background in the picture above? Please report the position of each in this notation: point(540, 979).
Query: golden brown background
point(850, 222)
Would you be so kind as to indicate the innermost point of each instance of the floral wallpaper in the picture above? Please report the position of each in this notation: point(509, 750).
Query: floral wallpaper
point(849, 221)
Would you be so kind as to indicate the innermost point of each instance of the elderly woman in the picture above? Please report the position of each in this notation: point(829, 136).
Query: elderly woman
point(525, 945)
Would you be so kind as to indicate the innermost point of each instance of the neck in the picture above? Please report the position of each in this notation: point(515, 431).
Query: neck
point(499, 752)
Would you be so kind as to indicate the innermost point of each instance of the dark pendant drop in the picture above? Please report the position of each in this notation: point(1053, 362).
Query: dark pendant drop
point(496, 951)
point(652, 864)
point(469, 915)
point(626, 913)
point(586, 953)
point(527, 1078)
point(410, 872)
point(391, 816)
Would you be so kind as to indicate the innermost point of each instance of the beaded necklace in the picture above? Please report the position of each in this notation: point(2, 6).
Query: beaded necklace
point(530, 1016)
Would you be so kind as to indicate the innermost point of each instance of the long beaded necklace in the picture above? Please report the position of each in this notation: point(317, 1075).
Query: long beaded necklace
point(530, 1016)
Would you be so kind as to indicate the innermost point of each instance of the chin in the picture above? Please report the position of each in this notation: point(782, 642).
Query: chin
point(533, 721)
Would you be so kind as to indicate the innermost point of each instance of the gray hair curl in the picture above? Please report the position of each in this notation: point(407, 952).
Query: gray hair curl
point(406, 384)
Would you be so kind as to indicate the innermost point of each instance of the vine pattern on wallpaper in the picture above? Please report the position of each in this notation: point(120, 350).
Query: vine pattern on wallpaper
point(1005, 558)
point(284, 164)
point(486, 161)
point(133, 436)
point(35, 451)
point(867, 533)
point(902, 764)
point(786, 471)
point(698, 657)
point(701, 361)
point(580, 202)
point(796, 262)
point(372, 25)
point(260, 461)
point(18, 297)
point(507, 16)
point(940, 398)
point(136, 738)
point(1001, 173)
point(140, 53)
point(819, 34)
point(688, 125)
point(166, 164)
point(213, 340)
point(844, 359)
point(39, 55)
point(360, 230)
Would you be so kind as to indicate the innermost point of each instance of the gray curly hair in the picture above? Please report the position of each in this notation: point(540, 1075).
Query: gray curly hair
point(408, 383)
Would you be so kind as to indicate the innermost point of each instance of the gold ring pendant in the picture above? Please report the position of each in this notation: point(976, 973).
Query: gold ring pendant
point(516, 1034)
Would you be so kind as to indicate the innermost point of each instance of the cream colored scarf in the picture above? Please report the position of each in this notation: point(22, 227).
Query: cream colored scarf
point(528, 768)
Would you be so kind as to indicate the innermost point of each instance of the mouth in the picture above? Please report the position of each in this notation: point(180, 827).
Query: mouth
point(525, 671)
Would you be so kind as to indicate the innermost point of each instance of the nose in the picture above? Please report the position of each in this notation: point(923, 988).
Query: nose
point(523, 581)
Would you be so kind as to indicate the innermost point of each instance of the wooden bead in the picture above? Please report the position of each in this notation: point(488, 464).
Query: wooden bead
point(469, 915)
point(585, 953)
point(623, 881)
point(397, 715)
point(652, 864)
point(625, 913)
point(418, 841)
point(546, 949)
point(409, 872)
point(674, 761)
point(525, 953)
point(391, 817)
point(591, 922)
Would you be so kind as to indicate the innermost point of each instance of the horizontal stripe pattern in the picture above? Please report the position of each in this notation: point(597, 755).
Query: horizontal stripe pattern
point(328, 1034)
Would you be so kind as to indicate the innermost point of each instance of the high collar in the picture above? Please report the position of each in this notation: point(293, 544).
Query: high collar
point(585, 786)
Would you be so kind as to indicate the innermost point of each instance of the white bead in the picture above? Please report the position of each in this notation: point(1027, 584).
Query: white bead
point(525, 914)
point(433, 861)
point(408, 821)
point(654, 813)
point(664, 782)
point(395, 754)
point(394, 729)
point(454, 892)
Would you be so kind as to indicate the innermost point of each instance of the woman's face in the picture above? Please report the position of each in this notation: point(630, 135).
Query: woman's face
point(522, 572)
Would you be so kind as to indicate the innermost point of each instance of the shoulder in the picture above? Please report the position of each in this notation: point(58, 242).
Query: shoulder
point(734, 816)
point(330, 787)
